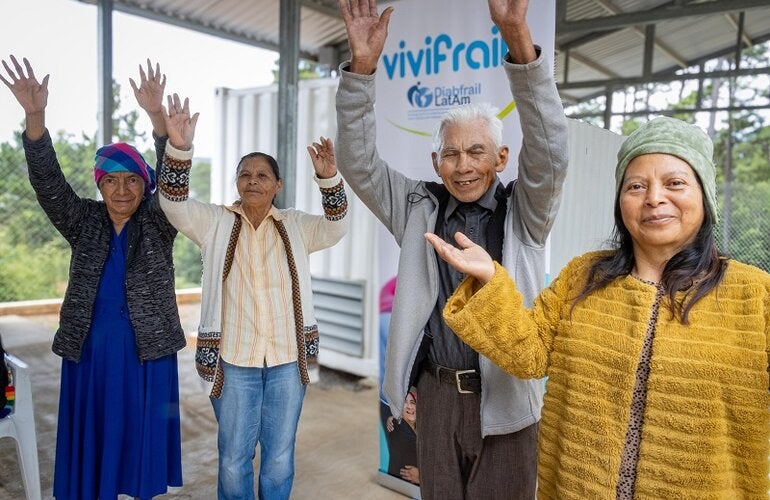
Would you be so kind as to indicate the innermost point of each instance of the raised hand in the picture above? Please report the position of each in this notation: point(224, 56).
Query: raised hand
point(149, 94)
point(367, 32)
point(510, 16)
point(505, 12)
point(31, 94)
point(179, 124)
point(470, 258)
point(322, 156)
point(152, 86)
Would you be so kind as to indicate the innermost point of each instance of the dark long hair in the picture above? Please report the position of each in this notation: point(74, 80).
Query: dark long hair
point(695, 270)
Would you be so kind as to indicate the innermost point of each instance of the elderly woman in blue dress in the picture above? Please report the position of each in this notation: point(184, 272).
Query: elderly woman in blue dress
point(119, 329)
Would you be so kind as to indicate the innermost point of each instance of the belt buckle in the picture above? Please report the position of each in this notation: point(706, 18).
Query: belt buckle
point(458, 380)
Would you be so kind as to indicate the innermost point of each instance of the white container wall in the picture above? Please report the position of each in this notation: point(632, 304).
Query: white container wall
point(247, 122)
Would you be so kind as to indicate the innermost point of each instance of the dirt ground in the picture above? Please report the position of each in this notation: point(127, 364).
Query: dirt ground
point(337, 444)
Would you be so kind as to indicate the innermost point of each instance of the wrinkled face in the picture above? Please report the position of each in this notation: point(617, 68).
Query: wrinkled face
point(257, 184)
point(122, 193)
point(468, 161)
point(410, 409)
point(661, 203)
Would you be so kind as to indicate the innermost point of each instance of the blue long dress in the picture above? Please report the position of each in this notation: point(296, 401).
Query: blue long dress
point(118, 417)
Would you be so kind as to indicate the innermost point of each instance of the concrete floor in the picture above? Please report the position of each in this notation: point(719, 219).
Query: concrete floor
point(337, 444)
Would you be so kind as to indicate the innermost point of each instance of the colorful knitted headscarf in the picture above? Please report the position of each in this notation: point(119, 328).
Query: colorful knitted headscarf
point(122, 157)
point(677, 138)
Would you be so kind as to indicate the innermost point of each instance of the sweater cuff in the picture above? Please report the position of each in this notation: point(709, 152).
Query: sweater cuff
point(179, 154)
point(510, 66)
point(346, 73)
point(174, 183)
point(333, 197)
point(328, 183)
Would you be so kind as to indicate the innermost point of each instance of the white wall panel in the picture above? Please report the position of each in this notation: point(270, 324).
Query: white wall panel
point(585, 219)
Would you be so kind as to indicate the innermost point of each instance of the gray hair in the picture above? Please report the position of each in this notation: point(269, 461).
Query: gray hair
point(469, 113)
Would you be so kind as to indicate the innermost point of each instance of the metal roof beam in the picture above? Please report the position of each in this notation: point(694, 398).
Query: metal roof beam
point(661, 13)
point(613, 9)
point(746, 37)
point(323, 9)
point(585, 61)
point(643, 112)
point(660, 78)
point(218, 32)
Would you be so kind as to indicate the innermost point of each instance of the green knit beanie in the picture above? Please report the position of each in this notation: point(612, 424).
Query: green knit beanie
point(677, 138)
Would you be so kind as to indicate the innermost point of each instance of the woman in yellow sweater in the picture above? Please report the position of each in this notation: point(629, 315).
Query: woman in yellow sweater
point(656, 351)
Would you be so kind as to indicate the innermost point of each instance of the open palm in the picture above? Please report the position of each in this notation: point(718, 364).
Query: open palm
point(367, 30)
point(32, 95)
point(470, 258)
point(179, 124)
point(152, 86)
point(322, 155)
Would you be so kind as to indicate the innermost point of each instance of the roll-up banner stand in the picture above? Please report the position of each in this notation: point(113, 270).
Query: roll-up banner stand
point(439, 54)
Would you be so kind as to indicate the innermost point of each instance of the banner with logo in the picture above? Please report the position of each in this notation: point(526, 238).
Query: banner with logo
point(439, 54)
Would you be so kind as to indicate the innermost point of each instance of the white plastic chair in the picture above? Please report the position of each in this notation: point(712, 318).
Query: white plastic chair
point(20, 425)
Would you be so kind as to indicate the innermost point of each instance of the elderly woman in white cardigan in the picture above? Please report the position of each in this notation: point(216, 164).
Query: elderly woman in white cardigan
point(257, 333)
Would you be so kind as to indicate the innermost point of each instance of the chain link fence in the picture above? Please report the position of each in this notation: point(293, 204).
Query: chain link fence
point(34, 258)
point(743, 231)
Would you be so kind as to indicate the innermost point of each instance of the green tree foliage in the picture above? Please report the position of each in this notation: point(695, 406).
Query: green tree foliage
point(34, 258)
point(307, 70)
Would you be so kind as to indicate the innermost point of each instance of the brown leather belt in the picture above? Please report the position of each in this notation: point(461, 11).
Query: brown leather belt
point(466, 381)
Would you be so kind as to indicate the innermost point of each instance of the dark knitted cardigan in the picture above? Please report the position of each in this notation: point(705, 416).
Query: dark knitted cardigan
point(86, 226)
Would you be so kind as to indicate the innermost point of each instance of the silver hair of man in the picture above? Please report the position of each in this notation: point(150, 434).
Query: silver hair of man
point(467, 114)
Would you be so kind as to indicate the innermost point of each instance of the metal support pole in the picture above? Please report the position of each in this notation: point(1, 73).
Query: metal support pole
point(739, 43)
point(649, 45)
point(608, 108)
point(566, 65)
point(288, 76)
point(104, 49)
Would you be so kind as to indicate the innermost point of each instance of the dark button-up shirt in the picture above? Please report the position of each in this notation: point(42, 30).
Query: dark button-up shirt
point(472, 219)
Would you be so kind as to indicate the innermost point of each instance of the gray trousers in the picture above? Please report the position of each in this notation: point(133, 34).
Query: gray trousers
point(455, 463)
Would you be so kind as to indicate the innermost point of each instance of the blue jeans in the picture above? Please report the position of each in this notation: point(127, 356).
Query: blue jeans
point(258, 405)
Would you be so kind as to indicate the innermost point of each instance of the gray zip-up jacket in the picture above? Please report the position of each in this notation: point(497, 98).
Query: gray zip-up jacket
point(409, 209)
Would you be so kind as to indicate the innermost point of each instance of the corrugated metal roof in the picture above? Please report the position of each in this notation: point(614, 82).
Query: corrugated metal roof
point(254, 22)
point(681, 40)
point(596, 53)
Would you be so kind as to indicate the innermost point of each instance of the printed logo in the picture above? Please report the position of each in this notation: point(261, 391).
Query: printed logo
point(419, 97)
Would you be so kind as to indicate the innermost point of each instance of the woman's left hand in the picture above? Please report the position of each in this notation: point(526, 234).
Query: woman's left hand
point(179, 124)
point(322, 156)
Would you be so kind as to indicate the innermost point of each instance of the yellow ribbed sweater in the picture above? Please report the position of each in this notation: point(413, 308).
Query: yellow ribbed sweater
point(706, 429)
